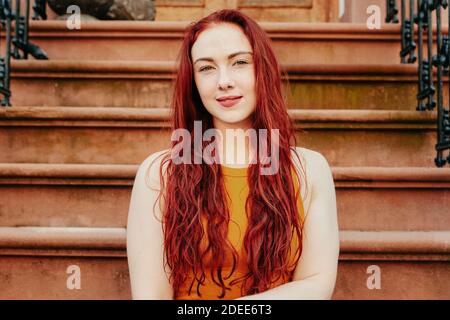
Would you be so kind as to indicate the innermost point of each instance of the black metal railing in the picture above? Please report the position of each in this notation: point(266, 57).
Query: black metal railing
point(422, 13)
point(17, 46)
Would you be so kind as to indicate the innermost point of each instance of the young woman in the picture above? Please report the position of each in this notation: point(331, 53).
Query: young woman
point(220, 228)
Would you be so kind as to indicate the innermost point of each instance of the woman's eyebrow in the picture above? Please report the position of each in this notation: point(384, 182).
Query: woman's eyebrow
point(229, 57)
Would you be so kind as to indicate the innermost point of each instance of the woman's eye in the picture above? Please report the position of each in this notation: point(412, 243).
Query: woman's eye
point(209, 67)
point(241, 62)
point(204, 68)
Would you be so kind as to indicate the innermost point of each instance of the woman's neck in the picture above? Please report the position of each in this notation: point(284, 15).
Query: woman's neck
point(234, 147)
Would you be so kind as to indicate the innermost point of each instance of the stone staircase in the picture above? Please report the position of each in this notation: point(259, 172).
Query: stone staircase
point(82, 121)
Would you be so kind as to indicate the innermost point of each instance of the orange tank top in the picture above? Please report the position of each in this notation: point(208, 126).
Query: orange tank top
point(235, 181)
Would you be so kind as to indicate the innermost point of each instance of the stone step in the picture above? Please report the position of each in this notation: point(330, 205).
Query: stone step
point(347, 43)
point(411, 265)
point(148, 84)
point(128, 135)
point(70, 195)
point(38, 263)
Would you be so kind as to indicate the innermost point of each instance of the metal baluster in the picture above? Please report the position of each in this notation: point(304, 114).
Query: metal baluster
point(411, 44)
point(426, 69)
point(39, 9)
point(20, 41)
point(407, 30)
point(18, 31)
point(437, 62)
point(5, 21)
point(391, 9)
point(419, 19)
point(403, 51)
point(446, 111)
point(26, 27)
point(431, 103)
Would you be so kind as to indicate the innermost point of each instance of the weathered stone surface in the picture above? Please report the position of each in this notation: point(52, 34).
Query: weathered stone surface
point(132, 10)
point(108, 9)
point(95, 8)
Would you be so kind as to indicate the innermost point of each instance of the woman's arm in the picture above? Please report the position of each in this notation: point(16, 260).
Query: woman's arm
point(145, 237)
point(315, 274)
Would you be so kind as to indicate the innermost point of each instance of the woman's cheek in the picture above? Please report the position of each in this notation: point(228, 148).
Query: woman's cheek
point(248, 79)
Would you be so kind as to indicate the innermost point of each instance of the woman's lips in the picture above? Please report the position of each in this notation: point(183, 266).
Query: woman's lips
point(229, 102)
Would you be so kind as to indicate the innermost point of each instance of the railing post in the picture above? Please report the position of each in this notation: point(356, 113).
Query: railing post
point(5, 21)
point(424, 20)
point(20, 41)
point(39, 10)
point(391, 9)
point(442, 61)
point(408, 44)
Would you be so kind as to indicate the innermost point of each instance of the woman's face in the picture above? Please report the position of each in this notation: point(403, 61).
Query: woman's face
point(223, 67)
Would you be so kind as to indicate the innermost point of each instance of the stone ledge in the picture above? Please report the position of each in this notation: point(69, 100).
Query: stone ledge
point(111, 69)
point(159, 118)
point(290, 30)
point(99, 174)
point(414, 245)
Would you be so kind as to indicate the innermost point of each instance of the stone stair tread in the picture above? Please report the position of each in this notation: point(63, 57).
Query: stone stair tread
point(117, 135)
point(421, 242)
point(62, 237)
point(124, 26)
point(148, 84)
point(36, 261)
point(137, 66)
point(98, 195)
point(307, 42)
point(142, 114)
point(65, 170)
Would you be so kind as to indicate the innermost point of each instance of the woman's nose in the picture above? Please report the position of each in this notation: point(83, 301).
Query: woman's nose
point(225, 81)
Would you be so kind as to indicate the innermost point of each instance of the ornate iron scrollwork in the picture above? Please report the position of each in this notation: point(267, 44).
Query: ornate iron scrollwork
point(427, 87)
point(20, 44)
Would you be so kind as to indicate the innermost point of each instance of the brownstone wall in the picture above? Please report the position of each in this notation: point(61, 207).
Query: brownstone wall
point(261, 10)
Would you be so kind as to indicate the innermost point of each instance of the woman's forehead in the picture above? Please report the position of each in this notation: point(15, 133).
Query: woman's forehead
point(220, 40)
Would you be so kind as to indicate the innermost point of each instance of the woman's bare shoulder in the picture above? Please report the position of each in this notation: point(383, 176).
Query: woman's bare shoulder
point(311, 163)
point(153, 156)
point(312, 159)
point(150, 167)
point(309, 154)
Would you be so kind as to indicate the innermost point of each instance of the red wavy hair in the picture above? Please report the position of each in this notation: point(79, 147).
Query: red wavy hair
point(193, 190)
